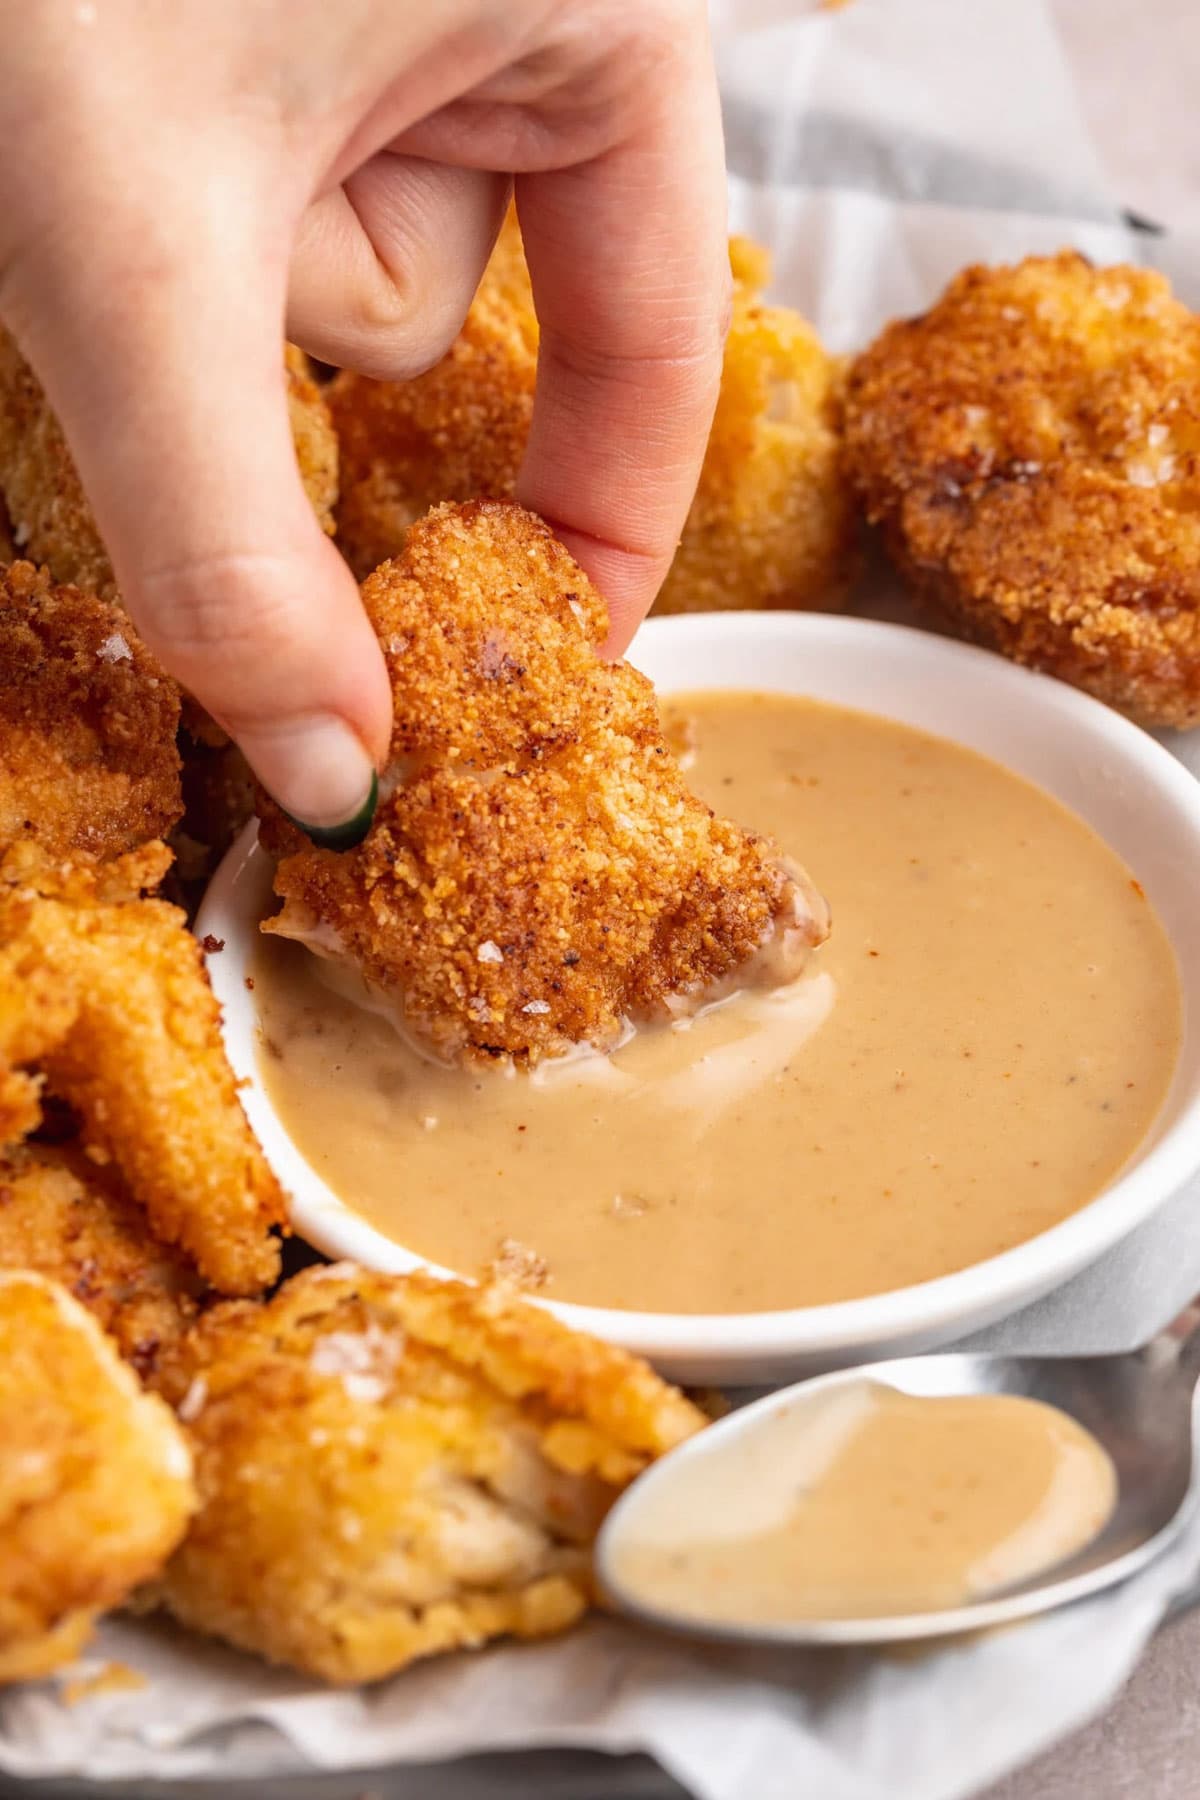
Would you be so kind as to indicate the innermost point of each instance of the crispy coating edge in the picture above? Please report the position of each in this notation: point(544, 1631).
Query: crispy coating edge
point(64, 1218)
point(109, 1002)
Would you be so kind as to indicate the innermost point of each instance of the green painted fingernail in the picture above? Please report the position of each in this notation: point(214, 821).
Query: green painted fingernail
point(352, 833)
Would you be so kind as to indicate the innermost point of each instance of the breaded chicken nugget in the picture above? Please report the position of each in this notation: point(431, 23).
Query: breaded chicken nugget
point(88, 764)
point(771, 522)
point(52, 522)
point(1029, 448)
point(63, 1217)
point(394, 1466)
point(538, 873)
point(95, 1477)
point(458, 432)
point(107, 1000)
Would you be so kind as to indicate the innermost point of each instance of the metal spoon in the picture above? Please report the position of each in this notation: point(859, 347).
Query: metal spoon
point(1138, 1407)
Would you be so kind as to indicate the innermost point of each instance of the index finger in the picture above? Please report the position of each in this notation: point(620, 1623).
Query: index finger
point(628, 256)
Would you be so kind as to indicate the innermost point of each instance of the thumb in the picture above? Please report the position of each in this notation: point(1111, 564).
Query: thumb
point(173, 399)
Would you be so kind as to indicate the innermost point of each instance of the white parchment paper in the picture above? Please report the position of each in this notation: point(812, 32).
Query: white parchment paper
point(876, 149)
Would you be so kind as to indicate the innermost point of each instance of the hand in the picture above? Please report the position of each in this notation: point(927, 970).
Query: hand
point(180, 184)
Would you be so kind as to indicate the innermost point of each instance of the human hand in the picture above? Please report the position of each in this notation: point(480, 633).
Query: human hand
point(179, 185)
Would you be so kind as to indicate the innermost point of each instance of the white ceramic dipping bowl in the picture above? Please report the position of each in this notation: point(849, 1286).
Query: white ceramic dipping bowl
point(1127, 787)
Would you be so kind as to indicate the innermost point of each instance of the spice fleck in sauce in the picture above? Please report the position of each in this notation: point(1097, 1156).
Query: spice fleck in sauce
point(866, 1503)
point(980, 1046)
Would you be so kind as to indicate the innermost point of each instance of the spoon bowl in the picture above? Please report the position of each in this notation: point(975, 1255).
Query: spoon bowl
point(1137, 1406)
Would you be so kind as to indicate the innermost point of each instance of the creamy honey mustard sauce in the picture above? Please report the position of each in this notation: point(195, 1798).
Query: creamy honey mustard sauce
point(866, 1503)
point(982, 1043)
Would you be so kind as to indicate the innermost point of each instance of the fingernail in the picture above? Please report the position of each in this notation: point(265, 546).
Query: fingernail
point(321, 775)
point(352, 833)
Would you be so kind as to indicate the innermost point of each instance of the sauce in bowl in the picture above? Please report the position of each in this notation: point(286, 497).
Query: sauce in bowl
point(981, 1045)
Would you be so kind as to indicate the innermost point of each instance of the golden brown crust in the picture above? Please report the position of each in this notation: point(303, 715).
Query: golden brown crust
point(88, 764)
point(457, 432)
point(1029, 449)
point(51, 518)
point(108, 1001)
point(771, 524)
point(313, 436)
point(95, 1477)
point(540, 872)
point(63, 1217)
point(52, 522)
point(393, 1466)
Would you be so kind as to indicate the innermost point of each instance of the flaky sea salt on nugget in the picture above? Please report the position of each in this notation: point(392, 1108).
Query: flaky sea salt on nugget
point(538, 874)
point(1029, 449)
point(393, 1466)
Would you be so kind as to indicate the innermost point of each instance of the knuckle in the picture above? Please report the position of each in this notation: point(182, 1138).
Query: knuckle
point(222, 607)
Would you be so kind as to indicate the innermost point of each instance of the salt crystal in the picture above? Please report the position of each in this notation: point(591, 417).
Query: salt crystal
point(115, 649)
point(192, 1404)
point(488, 952)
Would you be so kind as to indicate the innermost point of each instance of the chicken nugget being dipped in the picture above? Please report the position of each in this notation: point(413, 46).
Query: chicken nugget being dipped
point(88, 764)
point(538, 874)
point(771, 521)
point(1030, 448)
point(105, 1001)
point(95, 1477)
point(394, 1466)
point(51, 518)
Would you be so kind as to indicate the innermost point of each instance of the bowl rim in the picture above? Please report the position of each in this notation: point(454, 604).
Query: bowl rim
point(978, 1293)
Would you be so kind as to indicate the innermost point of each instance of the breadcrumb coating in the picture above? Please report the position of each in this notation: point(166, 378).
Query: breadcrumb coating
point(538, 873)
point(313, 436)
point(458, 432)
point(392, 1466)
point(95, 1477)
point(88, 764)
point(771, 523)
point(1030, 449)
point(104, 998)
point(52, 522)
point(63, 1217)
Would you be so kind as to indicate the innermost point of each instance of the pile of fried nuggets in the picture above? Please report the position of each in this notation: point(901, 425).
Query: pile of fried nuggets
point(348, 1470)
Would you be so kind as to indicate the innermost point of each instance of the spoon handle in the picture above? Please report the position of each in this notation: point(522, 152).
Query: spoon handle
point(1178, 1343)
